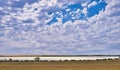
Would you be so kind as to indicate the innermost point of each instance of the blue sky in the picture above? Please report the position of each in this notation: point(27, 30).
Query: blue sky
point(72, 27)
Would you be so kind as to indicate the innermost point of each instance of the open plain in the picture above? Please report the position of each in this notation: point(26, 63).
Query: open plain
point(62, 65)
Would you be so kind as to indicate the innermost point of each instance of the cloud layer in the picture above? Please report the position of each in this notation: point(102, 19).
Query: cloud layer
point(24, 29)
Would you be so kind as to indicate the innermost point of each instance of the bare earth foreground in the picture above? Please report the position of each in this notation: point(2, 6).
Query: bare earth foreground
point(65, 65)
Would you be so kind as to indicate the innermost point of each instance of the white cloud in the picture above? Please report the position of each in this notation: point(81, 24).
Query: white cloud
point(9, 2)
point(84, 4)
point(52, 3)
point(17, 0)
point(84, 11)
point(1, 8)
point(5, 42)
point(98, 33)
point(92, 4)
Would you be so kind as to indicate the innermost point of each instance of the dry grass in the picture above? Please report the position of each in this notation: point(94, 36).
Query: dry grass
point(72, 65)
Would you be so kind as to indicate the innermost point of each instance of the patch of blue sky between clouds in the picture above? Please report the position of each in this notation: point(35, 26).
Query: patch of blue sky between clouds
point(96, 9)
point(73, 12)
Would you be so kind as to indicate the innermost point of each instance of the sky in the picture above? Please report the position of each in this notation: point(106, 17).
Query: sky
point(60, 27)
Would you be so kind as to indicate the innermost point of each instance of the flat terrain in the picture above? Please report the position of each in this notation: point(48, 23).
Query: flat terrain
point(65, 65)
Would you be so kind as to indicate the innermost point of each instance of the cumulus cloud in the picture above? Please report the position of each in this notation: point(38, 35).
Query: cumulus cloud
point(97, 33)
point(92, 4)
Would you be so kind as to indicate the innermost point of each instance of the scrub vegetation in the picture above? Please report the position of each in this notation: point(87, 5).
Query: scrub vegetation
point(62, 65)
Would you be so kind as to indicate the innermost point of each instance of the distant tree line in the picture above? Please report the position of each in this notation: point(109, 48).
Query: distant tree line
point(36, 59)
